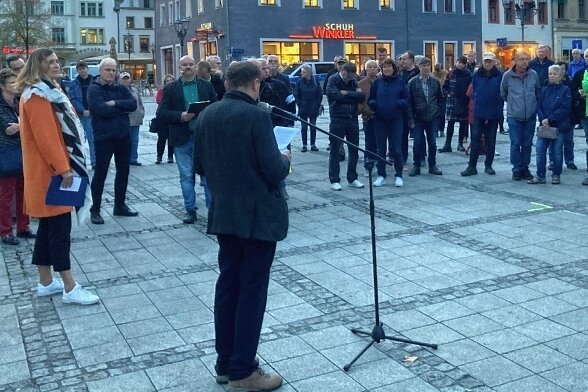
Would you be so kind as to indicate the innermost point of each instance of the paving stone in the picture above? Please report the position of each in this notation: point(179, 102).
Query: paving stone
point(473, 325)
point(14, 371)
point(296, 368)
point(575, 319)
point(281, 349)
point(190, 372)
point(572, 376)
point(504, 341)
point(548, 306)
point(330, 382)
point(543, 330)
point(511, 316)
point(156, 342)
point(538, 358)
point(533, 383)
point(576, 346)
point(410, 385)
point(463, 351)
point(495, 370)
point(551, 286)
point(446, 310)
point(102, 353)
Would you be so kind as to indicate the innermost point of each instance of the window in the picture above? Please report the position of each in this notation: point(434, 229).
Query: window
point(542, 13)
point(91, 9)
point(385, 4)
point(509, 14)
point(91, 36)
point(350, 4)
point(148, 22)
point(189, 8)
point(561, 9)
point(200, 6)
point(170, 13)
point(529, 15)
point(493, 11)
point(130, 22)
point(311, 4)
point(58, 35)
point(147, 4)
point(144, 44)
point(57, 9)
point(269, 2)
point(468, 7)
point(219, 3)
point(449, 6)
point(431, 51)
point(360, 52)
point(581, 10)
point(450, 55)
point(162, 17)
point(292, 52)
point(129, 44)
point(429, 6)
point(468, 46)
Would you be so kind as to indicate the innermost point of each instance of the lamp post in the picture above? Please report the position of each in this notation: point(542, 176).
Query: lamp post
point(116, 9)
point(181, 27)
point(522, 10)
point(129, 44)
point(152, 48)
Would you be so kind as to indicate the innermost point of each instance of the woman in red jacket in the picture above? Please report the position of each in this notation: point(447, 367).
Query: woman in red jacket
point(163, 131)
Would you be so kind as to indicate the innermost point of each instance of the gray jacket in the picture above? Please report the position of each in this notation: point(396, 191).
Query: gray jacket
point(520, 91)
point(137, 116)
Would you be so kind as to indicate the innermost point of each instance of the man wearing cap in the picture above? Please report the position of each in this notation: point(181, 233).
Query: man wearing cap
point(344, 96)
point(424, 104)
point(488, 106)
point(339, 61)
point(408, 70)
point(78, 95)
point(135, 117)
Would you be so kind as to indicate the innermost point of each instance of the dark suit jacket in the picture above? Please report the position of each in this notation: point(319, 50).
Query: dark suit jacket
point(235, 148)
point(172, 106)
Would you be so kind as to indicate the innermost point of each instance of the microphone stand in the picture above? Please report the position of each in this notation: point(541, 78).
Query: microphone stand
point(377, 333)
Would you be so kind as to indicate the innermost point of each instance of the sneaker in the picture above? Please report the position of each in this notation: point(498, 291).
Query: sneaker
point(555, 180)
point(80, 296)
point(336, 186)
point(435, 170)
point(355, 184)
point(257, 381)
point(54, 287)
point(572, 166)
point(415, 171)
point(488, 170)
point(536, 180)
point(10, 240)
point(398, 182)
point(190, 217)
point(380, 181)
point(469, 171)
point(96, 218)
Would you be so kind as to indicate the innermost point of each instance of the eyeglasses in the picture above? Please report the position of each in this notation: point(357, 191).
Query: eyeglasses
point(272, 61)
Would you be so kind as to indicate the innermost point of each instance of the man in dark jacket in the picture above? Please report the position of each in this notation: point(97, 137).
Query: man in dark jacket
point(177, 97)
point(247, 214)
point(541, 64)
point(424, 103)
point(344, 97)
point(110, 104)
point(488, 107)
point(408, 71)
point(579, 102)
point(78, 95)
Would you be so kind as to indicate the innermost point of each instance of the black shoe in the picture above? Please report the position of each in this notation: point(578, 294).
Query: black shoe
point(460, 147)
point(517, 176)
point(445, 149)
point(96, 218)
point(415, 171)
point(190, 217)
point(26, 234)
point(170, 160)
point(304, 149)
point(10, 240)
point(135, 163)
point(124, 210)
point(313, 148)
point(488, 170)
point(572, 166)
point(469, 171)
point(526, 174)
point(158, 161)
point(435, 170)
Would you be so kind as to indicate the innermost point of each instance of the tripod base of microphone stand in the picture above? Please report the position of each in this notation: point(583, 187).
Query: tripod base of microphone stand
point(379, 335)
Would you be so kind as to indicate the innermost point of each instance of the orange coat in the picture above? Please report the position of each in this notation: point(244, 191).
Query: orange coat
point(44, 155)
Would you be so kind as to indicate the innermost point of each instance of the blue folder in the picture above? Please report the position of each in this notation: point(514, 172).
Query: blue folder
point(60, 197)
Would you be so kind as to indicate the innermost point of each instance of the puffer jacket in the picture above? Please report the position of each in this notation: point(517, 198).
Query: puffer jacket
point(555, 104)
point(388, 98)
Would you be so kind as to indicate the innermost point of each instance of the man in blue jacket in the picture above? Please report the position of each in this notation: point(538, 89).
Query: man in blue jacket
point(78, 95)
point(110, 104)
point(488, 105)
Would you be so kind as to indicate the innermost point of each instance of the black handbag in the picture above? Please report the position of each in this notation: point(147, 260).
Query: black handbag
point(11, 160)
point(154, 125)
point(547, 132)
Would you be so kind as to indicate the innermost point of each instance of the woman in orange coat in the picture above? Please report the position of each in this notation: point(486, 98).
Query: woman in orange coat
point(50, 135)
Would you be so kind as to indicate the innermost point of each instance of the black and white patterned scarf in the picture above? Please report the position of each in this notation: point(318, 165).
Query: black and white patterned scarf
point(71, 127)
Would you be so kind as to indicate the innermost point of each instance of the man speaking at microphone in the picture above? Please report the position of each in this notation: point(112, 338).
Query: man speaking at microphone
point(247, 214)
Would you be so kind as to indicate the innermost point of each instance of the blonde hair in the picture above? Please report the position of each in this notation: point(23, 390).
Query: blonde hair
point(33, 71)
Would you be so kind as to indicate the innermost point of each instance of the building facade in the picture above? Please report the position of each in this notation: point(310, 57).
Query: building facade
point(570, 27)
point(319, 30)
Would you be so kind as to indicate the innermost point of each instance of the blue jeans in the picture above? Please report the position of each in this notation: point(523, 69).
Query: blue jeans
point(389, 130)
point(185, 164)
point(87, 124)
point(422, 128)
point(568, 146)
point(134, 143)
point(556, 148)
point(521, 142)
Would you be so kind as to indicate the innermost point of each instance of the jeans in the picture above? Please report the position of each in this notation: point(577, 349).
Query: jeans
point(87, 124)
point(557, 154)
point(568, 146)
point(12, 188)
point(347, 128)
point(389, 130)
point(369, 130)
point(134, 131)
point(487, 128)
point(521, 134)
point(239, 302)
point(304, 130)
point(422, 128)
point(185, 164)
point(105, 149)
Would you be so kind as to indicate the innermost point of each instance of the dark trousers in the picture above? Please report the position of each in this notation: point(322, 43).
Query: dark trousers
point(162, 136)
point(463, 131)
point(425, 133)
point(239, 302)
point(487, 128)
point(347, 128)
point(389, 130)
point(105, 149)
point(369, 131)
point(404, 140)
point(53, 242)
point(304, 129)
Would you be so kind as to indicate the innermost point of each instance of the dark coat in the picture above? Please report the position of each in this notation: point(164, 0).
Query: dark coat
point(8, 115)
point(219, 86)
point(343, 106)
point(455, 88)
point(555, 104)
point(236, 150)
point(173, 105)
point(578, 102)
point(419, 109)
point(542, 69)
point(308, 97)
point(110, 122)
point(388, 98)
point(488, 103)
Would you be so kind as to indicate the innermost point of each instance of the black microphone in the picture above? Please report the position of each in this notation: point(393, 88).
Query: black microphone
point(266, 107)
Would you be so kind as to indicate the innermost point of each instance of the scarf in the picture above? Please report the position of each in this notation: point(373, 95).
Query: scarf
point(71, 128)
point(585, 87)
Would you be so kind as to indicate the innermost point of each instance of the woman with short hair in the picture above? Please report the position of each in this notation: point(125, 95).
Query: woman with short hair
point(307, 92)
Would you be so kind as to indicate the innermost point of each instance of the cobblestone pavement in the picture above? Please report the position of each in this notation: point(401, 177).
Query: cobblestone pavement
point(490, 269)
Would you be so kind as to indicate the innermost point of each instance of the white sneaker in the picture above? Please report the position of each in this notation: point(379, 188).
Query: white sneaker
point(80, 296)
point(54, 287)
point(336, 186)
point(380, 181)
point(399, 182)
point(356, 184)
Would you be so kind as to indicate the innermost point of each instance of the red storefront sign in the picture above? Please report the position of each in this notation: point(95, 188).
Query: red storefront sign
point(333, 31)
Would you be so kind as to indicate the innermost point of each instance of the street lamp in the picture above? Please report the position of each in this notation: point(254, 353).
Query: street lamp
point(522, 10)
point(129, 44)
point(152, 48)
point(116, 9)
point(181, 27)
